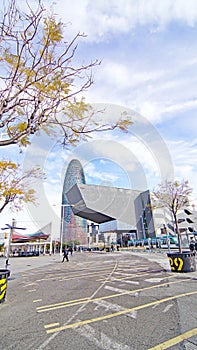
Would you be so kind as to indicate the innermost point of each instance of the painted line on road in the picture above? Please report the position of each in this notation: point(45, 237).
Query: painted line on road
point(94, 265)
point(60, 305)
point(100, 340)
point(88, 300)
point(132, 266)
point(113, 307)
point(117, 290)
point(104, 271)
point(119, 313)
point(52, 337)
point(131, 275)
point(51, 325)
point(32, 290)
point(30, 284)
point(127, 282)
point(37, 300)
point(173, 341)
point(67, 278)
point(123, 278)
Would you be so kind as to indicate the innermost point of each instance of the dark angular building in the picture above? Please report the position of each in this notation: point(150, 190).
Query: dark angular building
point(116, 210)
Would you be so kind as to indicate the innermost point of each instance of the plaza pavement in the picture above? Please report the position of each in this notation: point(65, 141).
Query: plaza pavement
point(22, 264)
point(19, 265)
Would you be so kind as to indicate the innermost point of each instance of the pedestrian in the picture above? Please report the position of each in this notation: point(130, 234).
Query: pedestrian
point(192, 244)
point(196, 244)
point(65, 255)
point(168, 243)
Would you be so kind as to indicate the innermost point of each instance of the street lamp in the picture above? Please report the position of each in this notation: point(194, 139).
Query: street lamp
point(62, 224)
point(11, 227)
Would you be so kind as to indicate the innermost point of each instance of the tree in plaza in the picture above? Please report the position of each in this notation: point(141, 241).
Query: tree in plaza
point(41, 89)
point(14, 186)
point(39, 81)
point(174, 196)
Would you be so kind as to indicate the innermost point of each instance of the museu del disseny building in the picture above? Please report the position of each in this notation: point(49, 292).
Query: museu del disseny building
point(115, 212)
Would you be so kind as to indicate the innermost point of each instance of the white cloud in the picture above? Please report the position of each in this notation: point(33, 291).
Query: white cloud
point(99, 175)
point(100, 18)
point(185, 105)
point(184, 155)
point(158, 81)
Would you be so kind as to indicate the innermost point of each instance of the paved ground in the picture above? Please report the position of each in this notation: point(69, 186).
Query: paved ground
point(102, 301)
point(18, 264)
point(21, 264)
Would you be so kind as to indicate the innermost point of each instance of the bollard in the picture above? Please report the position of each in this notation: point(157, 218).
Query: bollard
point(4, 274)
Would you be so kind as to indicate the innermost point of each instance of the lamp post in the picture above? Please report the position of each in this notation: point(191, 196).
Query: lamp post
point(11, 227)
point(62, 225)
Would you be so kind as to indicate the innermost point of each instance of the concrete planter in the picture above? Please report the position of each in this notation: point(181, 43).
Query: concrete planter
point(182, 262)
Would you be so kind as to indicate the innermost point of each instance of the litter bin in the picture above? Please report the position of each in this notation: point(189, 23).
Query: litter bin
point(4, 274)
point(182, 262)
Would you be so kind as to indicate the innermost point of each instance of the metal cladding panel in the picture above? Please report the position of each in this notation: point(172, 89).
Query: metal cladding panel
point(114, 203)
point(76, 199)
point(93, 216)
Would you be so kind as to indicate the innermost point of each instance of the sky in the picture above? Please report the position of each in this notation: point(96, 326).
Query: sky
point(148, 53)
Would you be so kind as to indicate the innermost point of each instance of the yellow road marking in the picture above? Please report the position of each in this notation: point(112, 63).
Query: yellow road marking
point(87, 300)
point(173, 341)
point(51, 325)
point(63, 304)
point(119, 313)
point(37, 300)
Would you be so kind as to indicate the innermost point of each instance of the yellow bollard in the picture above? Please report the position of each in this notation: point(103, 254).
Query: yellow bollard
point(4, 274)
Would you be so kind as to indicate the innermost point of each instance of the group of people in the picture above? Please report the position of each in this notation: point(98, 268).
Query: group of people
point(193, 244)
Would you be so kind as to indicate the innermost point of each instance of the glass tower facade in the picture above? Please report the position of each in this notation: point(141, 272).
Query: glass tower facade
point(73, 227)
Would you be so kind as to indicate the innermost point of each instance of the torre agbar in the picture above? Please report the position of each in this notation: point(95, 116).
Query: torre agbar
point(73, 227)
point(112, 214)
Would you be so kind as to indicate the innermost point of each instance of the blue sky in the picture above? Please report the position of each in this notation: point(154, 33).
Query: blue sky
point(149, 68)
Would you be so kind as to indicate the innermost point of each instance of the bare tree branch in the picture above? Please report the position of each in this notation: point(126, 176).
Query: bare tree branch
point(175, 197)
point(39, 81)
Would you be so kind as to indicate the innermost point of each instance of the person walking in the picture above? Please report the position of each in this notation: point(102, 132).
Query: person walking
point(196, 244)
point(65, 255)
point(192, 244)
point(71, 251)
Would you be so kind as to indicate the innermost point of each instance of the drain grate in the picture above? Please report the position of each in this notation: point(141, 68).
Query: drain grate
point(189, 345)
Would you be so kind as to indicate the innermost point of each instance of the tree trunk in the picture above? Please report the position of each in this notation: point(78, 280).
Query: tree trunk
point(178, 233)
